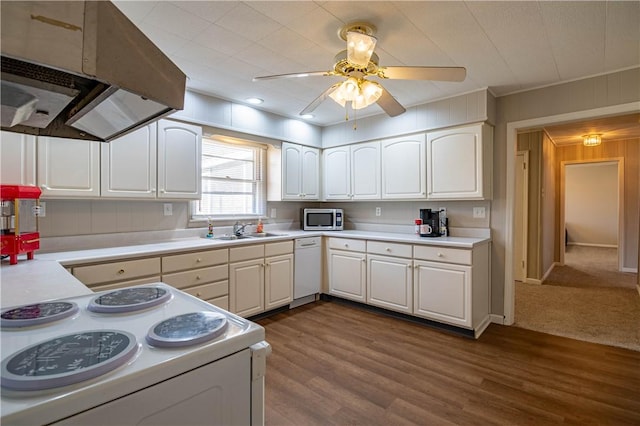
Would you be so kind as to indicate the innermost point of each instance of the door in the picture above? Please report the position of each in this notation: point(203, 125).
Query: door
point(179, 162)
point(337, 173)
point(128, 165)
point(521, 220)
point(389, 283)
point(365, 171)
point(347, 275)
point(404, 167)
point(442, 292)
point(278, 281)
point(68, 168)
point(246, 287)
point(17, 159)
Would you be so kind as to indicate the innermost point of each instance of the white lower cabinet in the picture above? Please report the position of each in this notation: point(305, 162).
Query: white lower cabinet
point(348, 269)
point(260, 277)
point(390, 276)
point(204, 274)
point(123, 273)
point(442, 292)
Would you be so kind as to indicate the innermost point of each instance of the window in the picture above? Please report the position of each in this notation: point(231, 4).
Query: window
point(233, 183)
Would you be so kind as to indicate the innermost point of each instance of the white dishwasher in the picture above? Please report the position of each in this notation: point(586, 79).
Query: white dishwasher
point(307, 270)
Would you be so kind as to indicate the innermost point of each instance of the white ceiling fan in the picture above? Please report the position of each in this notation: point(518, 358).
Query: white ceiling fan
point(358, 62)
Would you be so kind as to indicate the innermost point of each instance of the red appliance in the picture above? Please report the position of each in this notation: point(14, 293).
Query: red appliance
point(19, 221)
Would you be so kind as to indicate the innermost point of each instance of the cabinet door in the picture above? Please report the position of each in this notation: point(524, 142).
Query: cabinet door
point(389, 283)
point(128, 165)
point(347, 275)
point(278, 281)
point(459, 163)
point(404, 168)
point(337, 173)
point(442, 292)
point(365, 171)
point(310, 173)
point(17, 159)
point(68, 167)
point(179, 162)
point(291, 171)
point(246, 287)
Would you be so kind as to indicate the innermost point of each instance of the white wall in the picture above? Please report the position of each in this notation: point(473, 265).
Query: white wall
point(591, 203)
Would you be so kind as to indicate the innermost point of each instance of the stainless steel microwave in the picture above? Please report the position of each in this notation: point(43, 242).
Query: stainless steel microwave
point(322, 219)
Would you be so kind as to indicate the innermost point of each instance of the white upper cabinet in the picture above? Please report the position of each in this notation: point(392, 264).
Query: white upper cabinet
point(128, 168)
point(352, 172)
point(300, 172)
point(404, 168)
point(179, 162)
point(17, 159)
point(68, 168)
point(460, 163)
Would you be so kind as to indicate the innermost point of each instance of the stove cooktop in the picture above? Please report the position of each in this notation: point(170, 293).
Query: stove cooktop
point(98, 347)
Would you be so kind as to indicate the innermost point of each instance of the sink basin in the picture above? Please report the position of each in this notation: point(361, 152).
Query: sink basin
point(266, 234)
point(232, 237)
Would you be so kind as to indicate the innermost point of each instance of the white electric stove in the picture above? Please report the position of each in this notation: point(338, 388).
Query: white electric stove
point(148, 354)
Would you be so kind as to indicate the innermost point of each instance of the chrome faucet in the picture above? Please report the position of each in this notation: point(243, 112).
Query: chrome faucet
point(238, 228)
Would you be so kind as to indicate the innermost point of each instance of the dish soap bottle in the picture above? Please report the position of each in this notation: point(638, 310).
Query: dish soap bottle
point(259, 227)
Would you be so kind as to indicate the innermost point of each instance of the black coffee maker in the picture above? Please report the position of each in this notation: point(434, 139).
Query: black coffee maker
point(430, 223)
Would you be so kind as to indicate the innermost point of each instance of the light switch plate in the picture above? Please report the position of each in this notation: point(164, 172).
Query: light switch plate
point(168, 209)
point(479, 213)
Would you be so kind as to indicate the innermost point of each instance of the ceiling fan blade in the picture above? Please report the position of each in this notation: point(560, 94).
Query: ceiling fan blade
point(424, 73)
point(293, 75)
point(389, 104)
point(317, 101)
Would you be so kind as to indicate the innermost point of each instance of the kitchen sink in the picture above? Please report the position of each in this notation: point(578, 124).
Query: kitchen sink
point(266, 234)
point(232, 237)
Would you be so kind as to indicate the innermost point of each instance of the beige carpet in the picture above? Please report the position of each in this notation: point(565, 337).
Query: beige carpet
point(587, 299)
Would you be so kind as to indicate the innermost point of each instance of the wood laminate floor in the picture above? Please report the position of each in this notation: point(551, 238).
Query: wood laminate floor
point(336, 364)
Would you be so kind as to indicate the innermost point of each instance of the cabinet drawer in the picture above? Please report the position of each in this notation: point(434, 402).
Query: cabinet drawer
point(347, 244)
point(185, 279)
point(117, 271)
point(131, 283)
point(200, 259)
point(220, 302)
point(237, 254)
point(389, 249)
point(209, 291)
point(442, 254)
point(276, 249)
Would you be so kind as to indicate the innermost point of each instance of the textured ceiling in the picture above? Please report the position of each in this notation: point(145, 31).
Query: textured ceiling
point(505, 46)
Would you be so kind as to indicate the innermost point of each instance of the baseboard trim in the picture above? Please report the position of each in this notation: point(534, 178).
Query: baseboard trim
point(632, 270)
point(532, 281)
point(593, 245)
point(638, 288)
point(482, 326)
point(546, 274)
point(497, 319)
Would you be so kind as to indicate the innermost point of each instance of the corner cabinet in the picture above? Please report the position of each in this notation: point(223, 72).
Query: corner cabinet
point(179, 160)
point(404, 168)
point(68, 168)
point(300, 172)
point(128, 165)
point(460, 163)
point(352, 172)
point(17, 158)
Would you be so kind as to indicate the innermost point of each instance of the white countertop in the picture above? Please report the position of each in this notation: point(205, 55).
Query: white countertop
point(45, 277)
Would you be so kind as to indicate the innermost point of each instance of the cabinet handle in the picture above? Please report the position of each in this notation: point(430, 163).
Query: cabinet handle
point(198, 294)
point(409, 265)
point(364, 260)
point(198, 260)
point(262, 265)
point(198, 277)
point(440, 254)
point(388, 249)
point(121, 271)
point(346, 245)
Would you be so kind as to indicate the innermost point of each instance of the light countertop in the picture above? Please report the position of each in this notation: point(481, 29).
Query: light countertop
point(46, 278)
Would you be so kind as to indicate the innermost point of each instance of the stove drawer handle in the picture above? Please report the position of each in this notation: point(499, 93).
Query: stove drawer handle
point(121, 271)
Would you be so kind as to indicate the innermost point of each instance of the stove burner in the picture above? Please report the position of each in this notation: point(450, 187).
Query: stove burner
point(39, 313)
point(129, 299)
point(187, 329)
point(67, 359)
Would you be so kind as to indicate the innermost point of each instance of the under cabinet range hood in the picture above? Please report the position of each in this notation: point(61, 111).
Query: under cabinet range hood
point(81, 69)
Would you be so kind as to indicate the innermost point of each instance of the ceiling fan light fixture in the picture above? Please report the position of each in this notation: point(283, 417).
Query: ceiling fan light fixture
point(592, 140)
point(360, 48)
point(369, 94)
point(346, 92)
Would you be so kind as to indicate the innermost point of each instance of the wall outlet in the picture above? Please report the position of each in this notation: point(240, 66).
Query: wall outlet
point(479, 213)
point(168, 209)
point(378, 211)
point(273, 213)
point(41, 209)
